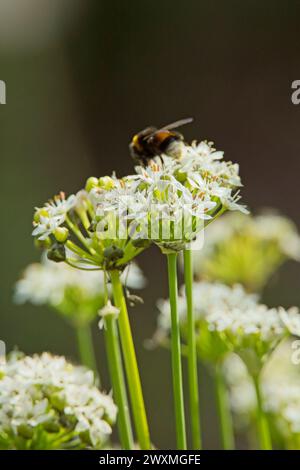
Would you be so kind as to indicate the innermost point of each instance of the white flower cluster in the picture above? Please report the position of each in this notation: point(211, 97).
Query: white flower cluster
point(168, 203)
point(48, 394)
point(236, 317)
point(280, 383)
point(52, 215)
point(171, 191)
point(209, 298)
point(46, 282)
point(267, 229)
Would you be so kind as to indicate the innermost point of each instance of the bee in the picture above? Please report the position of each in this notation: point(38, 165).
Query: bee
point(152, 142)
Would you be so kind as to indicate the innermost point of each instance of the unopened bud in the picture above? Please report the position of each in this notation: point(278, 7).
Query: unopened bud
point(91, 183)
point(61, 234)
point(25, 431)
point(106, 182)
point(40, 213)
point(57, 253)
point(43, 244)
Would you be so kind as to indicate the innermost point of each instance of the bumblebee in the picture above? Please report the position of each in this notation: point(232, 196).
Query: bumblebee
point(152, 142)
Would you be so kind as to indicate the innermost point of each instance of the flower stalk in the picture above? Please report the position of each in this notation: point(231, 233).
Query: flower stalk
point(223, 409)
point(117, 377)
point(192, 352)
point(118, 382)
point(264, 437)
point(85, 347)
point(176, 354)
point(131, 367)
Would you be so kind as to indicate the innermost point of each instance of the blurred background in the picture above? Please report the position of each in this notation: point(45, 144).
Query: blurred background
point(82, 76)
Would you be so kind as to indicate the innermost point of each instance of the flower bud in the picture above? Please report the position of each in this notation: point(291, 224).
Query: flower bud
point(141, 243)
point(91, 183)
point(61, 234)
point(57, 253)
point(51, 426)
point(40, 213)
point(43, 244)
point(57, 401)
point(106, 182)
point(25, 431)
point(113, 253)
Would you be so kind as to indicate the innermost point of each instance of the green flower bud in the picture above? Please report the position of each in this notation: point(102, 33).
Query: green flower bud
point(113, 253)
point(181, 176)
point(51, 426)
point(43, 244)
point(91, 183)
point(61, 234)
point(106, 182)
point(57, 253)
point(141, 243)
point(40, 212)
point(57, 401)
point(25, 431)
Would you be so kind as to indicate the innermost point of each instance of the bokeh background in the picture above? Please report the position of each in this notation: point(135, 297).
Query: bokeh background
point(82, 76)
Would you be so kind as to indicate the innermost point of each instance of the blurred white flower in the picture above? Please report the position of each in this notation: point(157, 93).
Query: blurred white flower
point(46, 282)
point(209, 298)
point(230, 319)
point(43, 395)
point(246, 250)
point(280, 384)
point(52, 215)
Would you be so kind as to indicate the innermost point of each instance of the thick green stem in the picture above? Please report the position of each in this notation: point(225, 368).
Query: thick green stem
point(131, 367)
point(262, 422)
point(118, 382)
point(192, 352)
point(85, 347)
point(176, 354)
point(223, 408)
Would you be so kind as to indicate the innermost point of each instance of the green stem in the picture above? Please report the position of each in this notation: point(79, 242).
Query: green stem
point(79, 235)
point(115, 365)
point(262, 423)
point(223, 408)
point(85, 347)
point(131, 367)
point(176, 354)
point(192, 352)
point(118, 382)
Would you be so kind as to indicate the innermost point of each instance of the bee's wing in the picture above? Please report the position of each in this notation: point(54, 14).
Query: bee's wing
point(179, 123)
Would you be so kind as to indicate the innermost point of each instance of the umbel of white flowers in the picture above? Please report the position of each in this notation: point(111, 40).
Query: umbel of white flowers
point(230, 320)
point(280, 383)
point(74, 293)
point(110, 222)
point(248, 249)
point(47, 403)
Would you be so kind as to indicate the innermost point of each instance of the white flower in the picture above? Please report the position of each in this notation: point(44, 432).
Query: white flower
point(32, 387)
point(107, 310)
point(52, 215)
point(280, 384)
point(247, 250)
point(291, 319)
point(47, 282)
point(236, 321)
point(209, 299)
